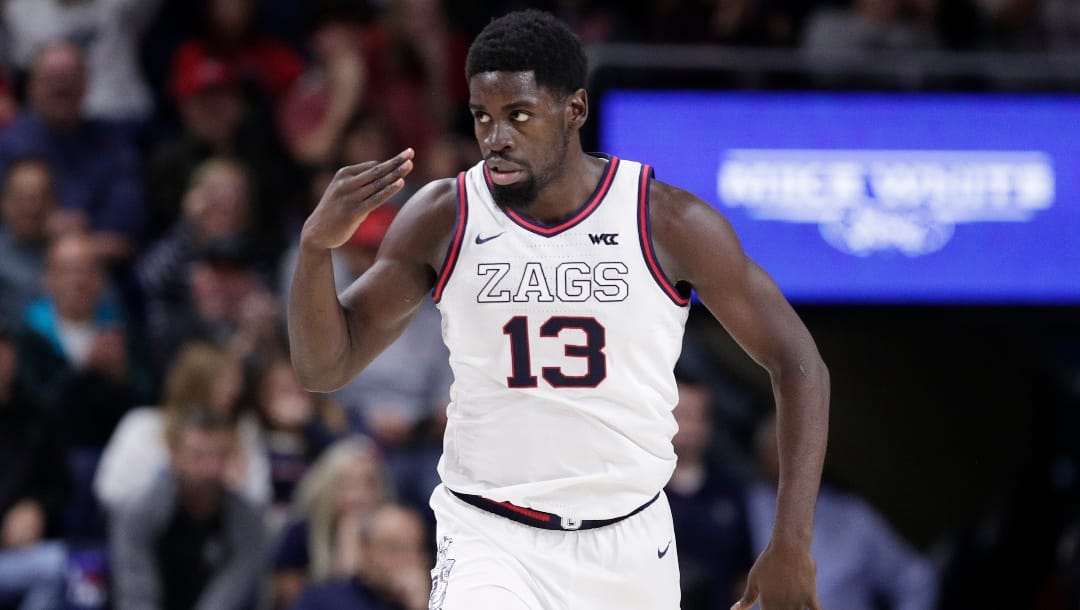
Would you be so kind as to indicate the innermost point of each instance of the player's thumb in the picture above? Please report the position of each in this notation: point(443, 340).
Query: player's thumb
point(747, 601)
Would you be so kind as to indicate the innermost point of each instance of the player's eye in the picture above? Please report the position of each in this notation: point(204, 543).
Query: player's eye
point(482, 117)
point(520, 116)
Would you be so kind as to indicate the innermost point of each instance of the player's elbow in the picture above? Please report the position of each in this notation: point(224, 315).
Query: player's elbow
point(315, 378)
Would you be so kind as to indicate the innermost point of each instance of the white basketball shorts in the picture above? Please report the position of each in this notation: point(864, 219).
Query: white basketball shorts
point(489, 562)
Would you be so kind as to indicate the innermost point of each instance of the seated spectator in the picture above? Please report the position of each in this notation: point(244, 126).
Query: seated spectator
point(26, 206)
point(393, 572)
point(708, 508)
point(108, 31)
point(217, 121)
point(861, 562)
point(189, 542)
point(227, 303)
point(78, 358)
point(339, 492)
point(296, 426)
point(102, 192)
point(203, 376)
point(33, 488)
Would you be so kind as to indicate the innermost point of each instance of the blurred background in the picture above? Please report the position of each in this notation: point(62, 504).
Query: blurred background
point(907, 170)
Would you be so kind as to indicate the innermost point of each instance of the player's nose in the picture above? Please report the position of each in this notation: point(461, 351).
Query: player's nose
point(499, 137)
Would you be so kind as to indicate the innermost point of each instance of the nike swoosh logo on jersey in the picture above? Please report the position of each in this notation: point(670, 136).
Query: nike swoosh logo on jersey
point(484, 240)
point(660, 554)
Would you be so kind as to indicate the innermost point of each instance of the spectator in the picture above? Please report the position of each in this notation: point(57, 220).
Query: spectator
point(297, 427)
point(728, 22)
point(218, 122)
point(77, 356)
point(868, 25)
point(33, 487)
point(217, 205)
point(708, 507)
point(226, 303)
point(393, 568)
point(860, 560)
point(189, 542)
point(341, 490)
point(404, 68)
point(108, 32)
point(203, 376)
point(26, 206)
point(231, 36)
point(416, 58)
point(315, 112)
point(102, 192)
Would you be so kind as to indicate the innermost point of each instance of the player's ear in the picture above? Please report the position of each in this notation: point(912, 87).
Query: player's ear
point(577, 108)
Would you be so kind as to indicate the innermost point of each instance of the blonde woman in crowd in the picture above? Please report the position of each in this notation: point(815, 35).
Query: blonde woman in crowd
point(344, 487)
point(202, 375)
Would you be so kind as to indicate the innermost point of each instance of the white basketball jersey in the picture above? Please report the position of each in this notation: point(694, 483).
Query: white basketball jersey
point(563, 340)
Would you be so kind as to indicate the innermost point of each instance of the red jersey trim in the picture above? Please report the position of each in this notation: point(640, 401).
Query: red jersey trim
point(645, 238)
point(454, 248)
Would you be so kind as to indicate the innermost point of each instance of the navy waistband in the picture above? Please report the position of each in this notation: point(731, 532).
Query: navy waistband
point(536, 518)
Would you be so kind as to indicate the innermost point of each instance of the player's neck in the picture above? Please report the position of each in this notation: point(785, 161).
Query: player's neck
point(564, 196)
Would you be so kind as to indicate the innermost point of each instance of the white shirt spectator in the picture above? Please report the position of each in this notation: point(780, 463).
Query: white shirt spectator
point(108, 31)
point(137, 456)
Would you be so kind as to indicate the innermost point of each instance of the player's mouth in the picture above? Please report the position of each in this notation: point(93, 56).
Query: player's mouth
point(503, 175)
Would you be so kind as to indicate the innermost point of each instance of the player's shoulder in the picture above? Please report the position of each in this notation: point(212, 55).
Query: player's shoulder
point(433, 205)
point(425, 223)
point(671, 207)
point(438, 193)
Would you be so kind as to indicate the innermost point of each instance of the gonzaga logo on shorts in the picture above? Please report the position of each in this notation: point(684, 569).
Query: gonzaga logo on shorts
point(867, 201)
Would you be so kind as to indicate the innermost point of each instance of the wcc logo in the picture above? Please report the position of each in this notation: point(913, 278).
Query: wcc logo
point(608, 239)
point(867, 201)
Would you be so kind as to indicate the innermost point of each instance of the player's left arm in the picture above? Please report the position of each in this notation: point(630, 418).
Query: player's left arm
point(696, 244)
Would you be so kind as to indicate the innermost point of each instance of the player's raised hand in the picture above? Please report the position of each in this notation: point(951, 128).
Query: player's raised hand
point(352, 194)
point(783, 578)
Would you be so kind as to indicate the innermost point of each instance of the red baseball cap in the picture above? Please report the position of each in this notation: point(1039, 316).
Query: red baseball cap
point(196, 72)
point(370, 233)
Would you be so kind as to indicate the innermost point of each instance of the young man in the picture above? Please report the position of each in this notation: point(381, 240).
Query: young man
point(189, 542)
point(563, 282)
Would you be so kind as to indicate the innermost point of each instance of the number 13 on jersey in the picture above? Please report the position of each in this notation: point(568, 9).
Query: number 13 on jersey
point(521, 365)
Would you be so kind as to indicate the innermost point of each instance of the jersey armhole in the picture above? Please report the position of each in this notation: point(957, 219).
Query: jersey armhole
point(645, 239)
point(452, 251)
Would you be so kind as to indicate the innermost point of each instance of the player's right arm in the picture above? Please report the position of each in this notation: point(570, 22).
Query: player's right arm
point(332, 339)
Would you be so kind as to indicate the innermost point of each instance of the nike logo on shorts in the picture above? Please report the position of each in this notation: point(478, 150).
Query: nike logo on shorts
point(484, 240)
point(660, 554)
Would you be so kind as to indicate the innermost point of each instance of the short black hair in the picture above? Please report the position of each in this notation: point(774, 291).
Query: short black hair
point(530, 40)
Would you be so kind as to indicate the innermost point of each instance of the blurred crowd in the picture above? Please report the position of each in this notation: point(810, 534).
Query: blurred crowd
point(158, 159)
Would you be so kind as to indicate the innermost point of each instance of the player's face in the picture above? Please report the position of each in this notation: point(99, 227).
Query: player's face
point(523, 133)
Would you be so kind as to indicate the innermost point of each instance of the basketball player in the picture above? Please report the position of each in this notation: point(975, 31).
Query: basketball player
point(563, 281)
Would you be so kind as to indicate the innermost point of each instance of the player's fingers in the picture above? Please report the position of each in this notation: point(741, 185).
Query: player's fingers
point(353, 170)
point(376, 177)
point(747, 601)
point(373, 188)
point(379, 197)
point(366, 171)
point(381, 168)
